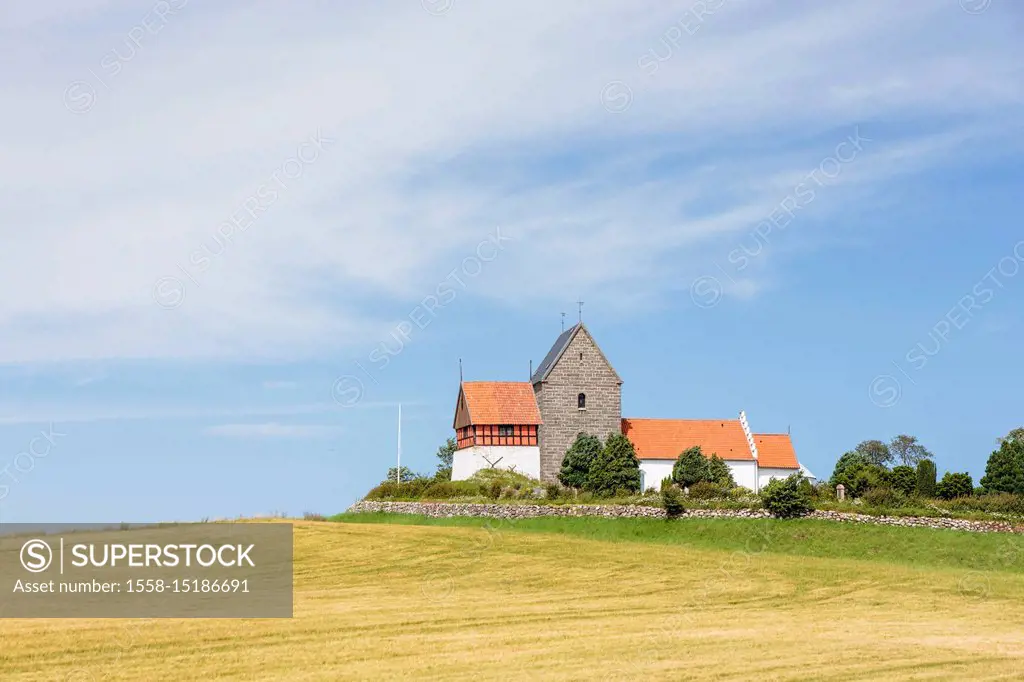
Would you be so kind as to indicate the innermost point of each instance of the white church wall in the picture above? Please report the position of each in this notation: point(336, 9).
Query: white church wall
point(652, 471)
point(764, 474)
point(468, 461)
point(744, 473)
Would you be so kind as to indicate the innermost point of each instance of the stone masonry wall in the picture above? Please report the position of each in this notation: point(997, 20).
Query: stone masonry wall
point(556, 399)
point(525, 511)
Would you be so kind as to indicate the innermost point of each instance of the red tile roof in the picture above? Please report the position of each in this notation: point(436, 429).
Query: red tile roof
point(775, 451)
point(667, 438)
point(501, 402)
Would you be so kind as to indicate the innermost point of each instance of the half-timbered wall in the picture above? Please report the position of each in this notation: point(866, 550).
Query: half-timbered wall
point(494, 434)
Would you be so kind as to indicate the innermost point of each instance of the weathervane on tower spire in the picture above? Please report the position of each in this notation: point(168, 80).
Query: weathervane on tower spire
point(580, 304)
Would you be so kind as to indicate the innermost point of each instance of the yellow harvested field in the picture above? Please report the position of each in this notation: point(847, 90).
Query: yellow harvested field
point(406, 602)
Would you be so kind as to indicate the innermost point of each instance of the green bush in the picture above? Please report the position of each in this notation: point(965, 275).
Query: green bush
point(494, 489)
point(672, 501)
point(505, 477)
point(884, 497)
point(665, 483)
point(552, 491)
point(787, 498)
point(926, 473)
point(691, 467)
point(380, 492)
point(578, 460)
point(903, 479)
point(823, 491)
point(740, 493)
point(389, 489)
point(998, 503)
point(955, 485)
point(616, 470)
point(440, 490)
point(706, 490)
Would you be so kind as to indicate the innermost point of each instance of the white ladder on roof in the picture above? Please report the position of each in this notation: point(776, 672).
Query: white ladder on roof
point(748, 434)
point(753, 448)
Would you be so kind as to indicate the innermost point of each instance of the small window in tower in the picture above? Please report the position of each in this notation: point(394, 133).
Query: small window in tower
point(505, 430)
point(581, 401)
point(581, 355)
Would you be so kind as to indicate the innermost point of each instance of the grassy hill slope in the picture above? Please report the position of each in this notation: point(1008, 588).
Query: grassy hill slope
point(466, 603)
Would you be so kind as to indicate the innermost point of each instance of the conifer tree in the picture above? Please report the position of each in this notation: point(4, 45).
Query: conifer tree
point(691, 467)
point(615, 469)
point(926, 474)
point(578, 460)
point(719, 472)
point(1004, 472)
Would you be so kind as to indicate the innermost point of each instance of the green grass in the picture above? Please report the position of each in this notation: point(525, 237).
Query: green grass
point(803, 537)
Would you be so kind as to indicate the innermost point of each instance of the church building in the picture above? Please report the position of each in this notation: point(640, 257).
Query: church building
point(528, 426)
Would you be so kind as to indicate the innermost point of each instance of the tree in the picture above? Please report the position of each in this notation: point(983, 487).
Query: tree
point(445, 456)
point(1004, 471)
point(903, 479)
point(908, 451)
point(719, 472)
point(955, 485)
point(407, 475)
point(578, 460)
point(926, 478)
point(1016, 435)
point(691, 467)
point(862, 479)
point(876, 452)
point(847, 465)
point(858, 473)
point(616, 468)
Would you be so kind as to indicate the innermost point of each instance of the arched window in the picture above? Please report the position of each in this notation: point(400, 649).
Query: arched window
point(581, 401)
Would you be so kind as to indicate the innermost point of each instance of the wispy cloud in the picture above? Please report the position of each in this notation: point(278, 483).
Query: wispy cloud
point(273, 430)
point(507, 128)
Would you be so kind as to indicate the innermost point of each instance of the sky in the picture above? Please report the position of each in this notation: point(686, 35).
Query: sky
point(235, 236)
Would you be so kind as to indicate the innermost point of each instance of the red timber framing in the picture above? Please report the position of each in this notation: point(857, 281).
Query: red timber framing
point(487, 434)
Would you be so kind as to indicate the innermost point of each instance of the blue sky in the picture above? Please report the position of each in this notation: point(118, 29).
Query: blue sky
point(236, 237)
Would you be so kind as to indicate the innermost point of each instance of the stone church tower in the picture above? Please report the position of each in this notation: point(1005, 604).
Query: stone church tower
point(578, 391)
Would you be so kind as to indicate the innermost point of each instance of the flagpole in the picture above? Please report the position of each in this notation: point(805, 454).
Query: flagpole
point(398, 469)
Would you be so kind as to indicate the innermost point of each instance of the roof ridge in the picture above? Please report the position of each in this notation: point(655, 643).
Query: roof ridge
point(673, 419)
point(496, 382)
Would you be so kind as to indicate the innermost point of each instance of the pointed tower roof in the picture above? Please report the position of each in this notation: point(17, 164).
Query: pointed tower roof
point(558, 349)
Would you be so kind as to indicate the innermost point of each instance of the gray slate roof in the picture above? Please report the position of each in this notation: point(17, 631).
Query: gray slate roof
point(561, 343)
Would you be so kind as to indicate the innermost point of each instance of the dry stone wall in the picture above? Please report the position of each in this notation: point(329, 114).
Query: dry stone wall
point(526, 511)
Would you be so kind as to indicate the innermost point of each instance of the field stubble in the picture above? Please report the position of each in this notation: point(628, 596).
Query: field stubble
point(380, 601)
